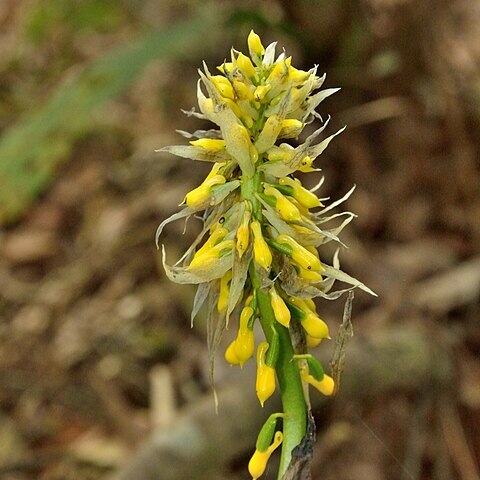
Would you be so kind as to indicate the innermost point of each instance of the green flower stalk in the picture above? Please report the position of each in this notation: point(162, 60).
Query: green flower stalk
point(256, 258)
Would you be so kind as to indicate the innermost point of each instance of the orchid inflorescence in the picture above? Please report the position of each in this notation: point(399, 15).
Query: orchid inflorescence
point(256, 258)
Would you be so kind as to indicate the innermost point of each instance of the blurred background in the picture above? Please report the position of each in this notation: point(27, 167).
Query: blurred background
point(101, 376)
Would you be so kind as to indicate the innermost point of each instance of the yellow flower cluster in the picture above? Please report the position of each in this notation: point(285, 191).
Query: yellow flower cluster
point(262, 226)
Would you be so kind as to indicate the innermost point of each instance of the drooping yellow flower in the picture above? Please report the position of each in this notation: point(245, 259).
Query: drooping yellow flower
point(245, 341)
point(313, 342)
point(259, 460)
point(285, 207)
point(230, 355)
point(261, 250)
point(269, 134)
point(265, 384)
point(198, 195)
point(210, 255)
point(243, 233)
point(224, 294)
point(326, 385)
point(311, 275)
point(300, 254)
point(280, 309)
point(311, 323)
point(300, 193)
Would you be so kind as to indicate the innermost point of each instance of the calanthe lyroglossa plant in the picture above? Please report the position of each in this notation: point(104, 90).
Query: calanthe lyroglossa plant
point(256, 258)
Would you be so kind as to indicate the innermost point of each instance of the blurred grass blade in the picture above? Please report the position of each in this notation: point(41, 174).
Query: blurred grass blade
point(31, 150)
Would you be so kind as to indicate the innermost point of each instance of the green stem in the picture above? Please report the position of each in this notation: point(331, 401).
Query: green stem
point(290, 384)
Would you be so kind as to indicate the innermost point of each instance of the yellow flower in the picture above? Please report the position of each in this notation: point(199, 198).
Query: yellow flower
point(313, 342)
point(255, 45)
point(198, 195)
point(268, 135)
point(222, 303)
point(209, 256)
point(285, 207)
point(259, 460)
point(216, 235)
point(300, 254)
point(230, 355)
point(260, 92)
point(291, 128)
point(243, 233)
point(311, 323)
point(245, 65)
point(261, 251)
point(326, 385)
point(265, 384)
point(223, 86)
point(280, 309)
point(245, 341)
point(311, 275)
point(295, 75)
point(210, 144)
point(242, 91)
point(315, 327)
point(306, 165)
point(279, 73)
point(226, 67)
point(301, 194)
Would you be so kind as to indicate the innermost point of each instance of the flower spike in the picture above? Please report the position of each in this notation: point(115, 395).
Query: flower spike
point(260, 233)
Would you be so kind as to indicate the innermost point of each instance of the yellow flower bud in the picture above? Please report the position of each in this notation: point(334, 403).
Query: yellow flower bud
point(260, 92)
point(243, 234)
point(210, 144)
point(253, 153)
point(226, 67)
point(198, 195)
point(310, 304)
point(279, 73)
point(295, 75)
point(242, 91)
point(285, 207)
point(311, 275)
point(291, 128)
point(255, 45)
point(265, 384)
point(216, 235)
point(282, 153)
point(245, 341)
point(234, 108)
point(326, 385)
point(300, 254)
point(245, 65)
point(222, 303)
point(306, 165)
point(259, 460)
point(301, 194)
point(313, 342)
point(230, 355)
point(223, 86)
point(280, 309)
point(261, 251)
point(315, 327)
point(204, 258)
point(268, 135)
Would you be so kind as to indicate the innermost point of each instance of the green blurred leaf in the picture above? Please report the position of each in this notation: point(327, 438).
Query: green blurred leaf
point(31, 151)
